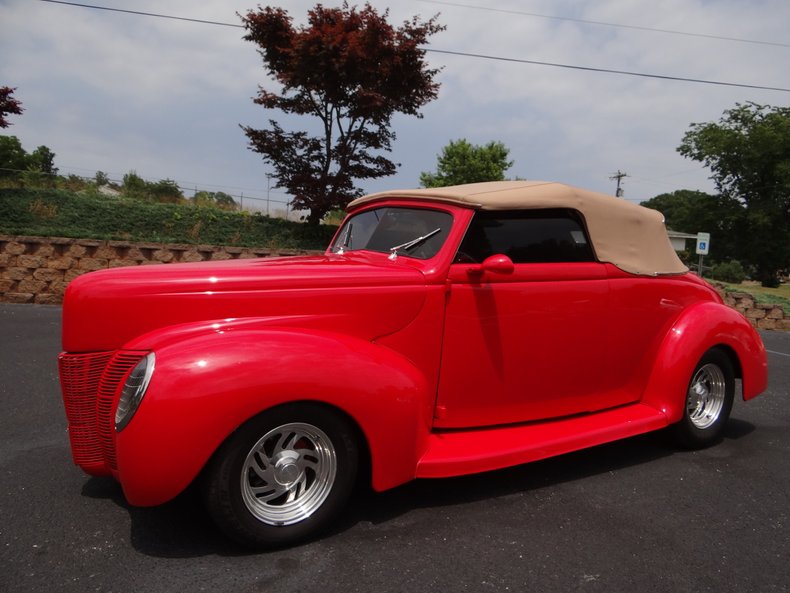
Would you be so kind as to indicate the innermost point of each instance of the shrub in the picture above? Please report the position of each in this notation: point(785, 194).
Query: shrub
point(731, 271)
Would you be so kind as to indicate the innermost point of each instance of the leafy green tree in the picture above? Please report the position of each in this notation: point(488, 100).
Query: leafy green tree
point(352, 71)
point(748, 153)
point(42, 159)
point(8, 105)
point(689, 211)
point(462, 162)
point(212, 199)
point(134, 186)
point(13, 158)
point(225, 201)
point(165, 190)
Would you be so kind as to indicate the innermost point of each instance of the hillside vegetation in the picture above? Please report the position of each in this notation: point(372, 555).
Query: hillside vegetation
point(63, 213)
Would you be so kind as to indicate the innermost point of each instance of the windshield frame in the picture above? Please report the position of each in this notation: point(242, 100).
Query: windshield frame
point(342, 242)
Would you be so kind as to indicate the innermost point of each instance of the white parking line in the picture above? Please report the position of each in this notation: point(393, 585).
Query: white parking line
point(779, 353)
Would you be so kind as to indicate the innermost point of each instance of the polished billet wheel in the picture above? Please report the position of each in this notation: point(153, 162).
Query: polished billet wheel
point(283, 476)
point(288, 474)
point(706, 396)
point(709, 397)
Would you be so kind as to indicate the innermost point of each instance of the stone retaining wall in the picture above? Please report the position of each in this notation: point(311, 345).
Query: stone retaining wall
point(38, 269)
point(761, 315)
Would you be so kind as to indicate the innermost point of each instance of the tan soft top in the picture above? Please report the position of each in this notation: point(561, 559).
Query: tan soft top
point(629, 236)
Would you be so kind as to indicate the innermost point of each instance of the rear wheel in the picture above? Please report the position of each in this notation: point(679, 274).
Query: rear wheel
point(709, 400)
point(283, 476)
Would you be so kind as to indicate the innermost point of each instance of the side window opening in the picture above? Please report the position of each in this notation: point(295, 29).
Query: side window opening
point(527, 236)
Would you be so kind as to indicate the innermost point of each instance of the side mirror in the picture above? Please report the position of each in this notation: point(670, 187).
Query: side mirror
point(498, 263)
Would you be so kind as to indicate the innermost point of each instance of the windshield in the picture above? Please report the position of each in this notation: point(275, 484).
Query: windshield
point(413, 232)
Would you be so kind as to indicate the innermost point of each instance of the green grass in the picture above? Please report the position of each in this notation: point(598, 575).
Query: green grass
point(61, 213)
point(774, 296)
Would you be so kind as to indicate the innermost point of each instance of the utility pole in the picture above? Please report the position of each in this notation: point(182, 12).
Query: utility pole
point(268, 187)
point(618, 176)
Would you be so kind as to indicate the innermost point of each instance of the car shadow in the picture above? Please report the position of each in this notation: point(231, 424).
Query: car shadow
point(180, 528)
point(737, 429)
point(579, 465)
point(183, 529)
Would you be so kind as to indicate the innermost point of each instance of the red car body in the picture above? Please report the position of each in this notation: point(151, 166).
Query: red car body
point(445, 366)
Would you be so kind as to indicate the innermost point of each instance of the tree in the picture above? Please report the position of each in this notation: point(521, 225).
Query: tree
point(212, 199)
point(134, 186)
point(43, 159)
point(462, 162)
point(8, 105)
point(101, 178)
point(748, 153)
point(165, 190)
point(352, 71)
point(13, 158)
point(689, 211)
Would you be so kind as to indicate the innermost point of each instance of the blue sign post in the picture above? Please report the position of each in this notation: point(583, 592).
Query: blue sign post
point(703, 246)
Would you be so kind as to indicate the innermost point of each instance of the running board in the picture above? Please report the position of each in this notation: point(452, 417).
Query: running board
point(456, 453)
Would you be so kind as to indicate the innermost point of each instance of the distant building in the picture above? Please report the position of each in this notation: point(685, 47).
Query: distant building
point(678, 240)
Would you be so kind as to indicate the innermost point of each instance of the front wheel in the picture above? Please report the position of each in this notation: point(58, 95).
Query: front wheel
point(283, 476)
point(709, 400)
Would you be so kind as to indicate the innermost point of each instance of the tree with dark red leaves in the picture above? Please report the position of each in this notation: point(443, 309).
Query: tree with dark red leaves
point(351, 70)
point(8, 105)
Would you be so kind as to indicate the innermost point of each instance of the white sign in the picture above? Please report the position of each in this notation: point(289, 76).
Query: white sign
point(703, 243)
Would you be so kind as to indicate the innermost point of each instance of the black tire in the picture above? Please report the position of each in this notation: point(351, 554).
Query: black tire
point(708, 403)
point(283, 476)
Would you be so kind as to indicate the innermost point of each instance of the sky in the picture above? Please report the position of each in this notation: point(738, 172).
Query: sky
point(119, 92)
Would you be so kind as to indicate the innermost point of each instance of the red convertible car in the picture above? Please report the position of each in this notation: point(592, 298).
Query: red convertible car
point(444, 332)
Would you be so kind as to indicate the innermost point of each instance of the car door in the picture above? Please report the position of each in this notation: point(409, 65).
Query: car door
point(529, 342)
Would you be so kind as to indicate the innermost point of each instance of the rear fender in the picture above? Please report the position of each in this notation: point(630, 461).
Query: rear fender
point(209, 383)
point(697, 330)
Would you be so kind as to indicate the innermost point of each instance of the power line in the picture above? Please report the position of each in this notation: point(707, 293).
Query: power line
point(610, 71)
point(605, 24)
point(459, 5)
point(464, 54)
point(151, 14)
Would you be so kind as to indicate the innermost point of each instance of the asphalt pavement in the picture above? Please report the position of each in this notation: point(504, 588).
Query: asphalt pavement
point(637, 515)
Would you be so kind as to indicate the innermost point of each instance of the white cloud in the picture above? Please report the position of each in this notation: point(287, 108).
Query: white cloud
point(117, 92)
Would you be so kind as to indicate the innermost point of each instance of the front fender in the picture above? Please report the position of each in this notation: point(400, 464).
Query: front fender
point(698, 329)
point(209, 383)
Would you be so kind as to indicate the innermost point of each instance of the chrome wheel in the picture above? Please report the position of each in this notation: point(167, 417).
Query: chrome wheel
point(283, 475)
point(706, 396)
point(708, 401)
point(288, 474)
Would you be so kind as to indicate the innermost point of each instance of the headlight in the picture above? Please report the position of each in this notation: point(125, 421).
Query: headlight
point(133, 391)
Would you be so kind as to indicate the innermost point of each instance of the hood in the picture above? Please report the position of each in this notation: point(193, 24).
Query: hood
point(106, 309)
